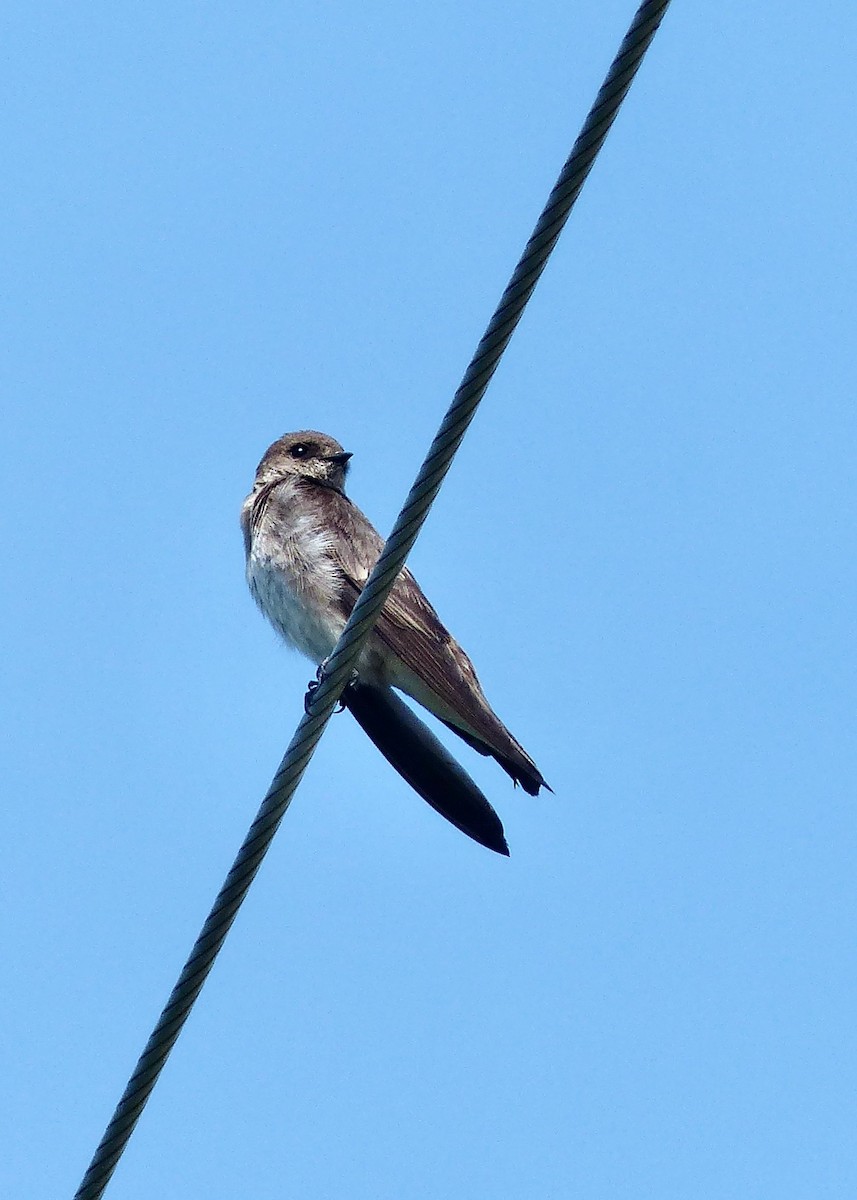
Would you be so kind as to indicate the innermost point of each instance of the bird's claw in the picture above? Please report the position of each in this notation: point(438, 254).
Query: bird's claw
point(314, 684)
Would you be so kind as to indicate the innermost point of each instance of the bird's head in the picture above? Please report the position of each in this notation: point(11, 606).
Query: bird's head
point(307, 454)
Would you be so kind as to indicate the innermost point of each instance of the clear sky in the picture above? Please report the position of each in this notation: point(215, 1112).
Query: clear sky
point(222, 222)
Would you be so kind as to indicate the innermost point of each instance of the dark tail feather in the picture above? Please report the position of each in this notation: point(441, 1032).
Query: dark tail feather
point(424, 763)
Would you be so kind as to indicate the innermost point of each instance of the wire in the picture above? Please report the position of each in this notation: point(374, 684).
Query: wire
point(341, 662)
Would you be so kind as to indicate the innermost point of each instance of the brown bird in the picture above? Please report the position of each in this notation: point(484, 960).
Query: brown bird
point(310, 551)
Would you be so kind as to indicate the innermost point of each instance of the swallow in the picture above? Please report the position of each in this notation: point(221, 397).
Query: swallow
point(309, 552)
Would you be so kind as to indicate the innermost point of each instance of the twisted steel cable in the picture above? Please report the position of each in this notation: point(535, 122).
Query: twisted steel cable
point(339, 666)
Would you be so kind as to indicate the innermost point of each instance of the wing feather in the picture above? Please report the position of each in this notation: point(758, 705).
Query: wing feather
point(409, 626)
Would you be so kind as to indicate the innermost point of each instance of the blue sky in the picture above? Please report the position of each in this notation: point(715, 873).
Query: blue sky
point(224, 222)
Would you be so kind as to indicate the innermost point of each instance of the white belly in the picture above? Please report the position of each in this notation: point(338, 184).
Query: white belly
point(310, 628)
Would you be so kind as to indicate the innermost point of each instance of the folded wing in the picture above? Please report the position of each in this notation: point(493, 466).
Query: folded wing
point(410, 627)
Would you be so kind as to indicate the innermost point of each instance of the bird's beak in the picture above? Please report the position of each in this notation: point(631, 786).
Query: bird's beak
point(341, 459)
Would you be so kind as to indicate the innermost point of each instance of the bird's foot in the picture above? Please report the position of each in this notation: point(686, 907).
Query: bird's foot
point(315, 684)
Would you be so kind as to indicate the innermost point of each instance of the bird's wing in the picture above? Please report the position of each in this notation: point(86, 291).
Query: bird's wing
point(408, 624)
point(410, 627)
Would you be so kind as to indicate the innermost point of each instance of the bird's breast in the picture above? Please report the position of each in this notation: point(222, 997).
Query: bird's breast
point(294, 579)
point(305, 622)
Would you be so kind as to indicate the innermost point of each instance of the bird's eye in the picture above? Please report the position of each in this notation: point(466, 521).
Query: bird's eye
point(299, 451)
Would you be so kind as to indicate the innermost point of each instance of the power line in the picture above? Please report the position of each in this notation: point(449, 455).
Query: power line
point(341, 662)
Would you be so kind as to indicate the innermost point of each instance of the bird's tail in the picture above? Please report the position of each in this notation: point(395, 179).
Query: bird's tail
point(424, 763)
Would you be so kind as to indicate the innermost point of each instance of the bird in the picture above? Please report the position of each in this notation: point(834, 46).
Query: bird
point(309, 552)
